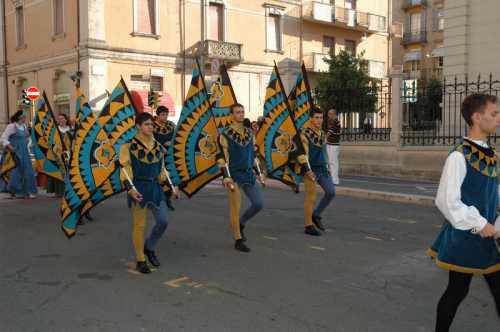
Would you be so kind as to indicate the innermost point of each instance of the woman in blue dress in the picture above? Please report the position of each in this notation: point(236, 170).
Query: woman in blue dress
point(15, 139)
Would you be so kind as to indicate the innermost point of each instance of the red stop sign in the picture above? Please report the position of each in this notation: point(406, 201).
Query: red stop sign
point(32, 93)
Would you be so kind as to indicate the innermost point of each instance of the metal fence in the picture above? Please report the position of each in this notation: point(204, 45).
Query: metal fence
point(366, 119)
point(431, 111)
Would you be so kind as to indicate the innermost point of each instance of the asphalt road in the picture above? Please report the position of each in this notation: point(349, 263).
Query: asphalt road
point(369, 272)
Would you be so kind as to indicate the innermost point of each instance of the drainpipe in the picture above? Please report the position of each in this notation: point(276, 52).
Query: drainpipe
point(182, 22)
point(78, 40)
point(301, 51)
point(4, 65)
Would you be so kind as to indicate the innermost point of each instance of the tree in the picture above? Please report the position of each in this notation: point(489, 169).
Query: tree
point(427, 110)
point(347, 86)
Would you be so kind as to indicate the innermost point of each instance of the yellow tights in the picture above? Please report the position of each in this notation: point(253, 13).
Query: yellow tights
point(139, 216)
point(234, 211)
point(309, 200)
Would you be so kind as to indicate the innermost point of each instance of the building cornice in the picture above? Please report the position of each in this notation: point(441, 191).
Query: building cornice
point(61, 59)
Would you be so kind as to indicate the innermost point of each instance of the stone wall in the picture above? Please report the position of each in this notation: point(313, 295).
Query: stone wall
point(387, 160)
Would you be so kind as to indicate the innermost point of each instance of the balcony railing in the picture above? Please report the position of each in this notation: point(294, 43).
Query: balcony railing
point(345, 17)
point(315, 62)
point(407, 4)
point(415, 37)
point(221, 50)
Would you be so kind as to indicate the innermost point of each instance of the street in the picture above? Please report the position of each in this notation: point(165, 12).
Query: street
point(368, 272)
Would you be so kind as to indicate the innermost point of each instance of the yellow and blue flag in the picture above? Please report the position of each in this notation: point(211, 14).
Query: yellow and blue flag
point(300, 99)
point(94, 173)
point(191, 158)
point(278, 139)
point(49, 147)
point(222, 97)
point(7, 163)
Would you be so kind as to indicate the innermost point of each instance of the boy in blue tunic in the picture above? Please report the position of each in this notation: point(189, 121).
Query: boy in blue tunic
point(468, 199)
point(316, 171)
point(143, 172)
point(164, 133)
point(237, 143)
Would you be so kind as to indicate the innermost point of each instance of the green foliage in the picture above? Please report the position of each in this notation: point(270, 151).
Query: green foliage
point(347, 85)
point(427, 110)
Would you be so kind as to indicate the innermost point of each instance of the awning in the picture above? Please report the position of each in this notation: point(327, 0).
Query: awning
point(412, 56)
point(140, 99)
point(437, 52)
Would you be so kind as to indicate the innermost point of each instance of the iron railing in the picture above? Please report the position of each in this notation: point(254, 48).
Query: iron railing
point(366, 120)
point(413, 3)
point(431, 110)
point(415, 37)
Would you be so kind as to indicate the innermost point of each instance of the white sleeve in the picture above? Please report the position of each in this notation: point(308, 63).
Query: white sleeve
point(449, 200)
point(9, 130)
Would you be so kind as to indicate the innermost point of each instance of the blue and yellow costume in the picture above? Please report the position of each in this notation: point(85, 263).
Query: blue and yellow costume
point(460, 250)
point(142, 162)
point(164, 132)
point(53, 185)
point(237, 143)
point(314, 142)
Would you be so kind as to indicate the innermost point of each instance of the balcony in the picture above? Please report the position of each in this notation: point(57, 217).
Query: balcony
point(408, 4)
point(344, 17)
point(315, 62)
point(414, 37)
point(412, 75)
point(213, 49)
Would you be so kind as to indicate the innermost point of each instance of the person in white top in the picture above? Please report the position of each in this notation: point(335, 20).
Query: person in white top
point(15, 139)
point(468, 199)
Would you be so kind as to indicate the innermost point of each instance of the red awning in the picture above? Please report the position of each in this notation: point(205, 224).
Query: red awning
point(140, 99)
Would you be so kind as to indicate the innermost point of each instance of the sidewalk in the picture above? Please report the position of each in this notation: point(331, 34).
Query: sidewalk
point(387, 189)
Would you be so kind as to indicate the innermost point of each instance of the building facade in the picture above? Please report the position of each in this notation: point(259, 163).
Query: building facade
point(472, 41)
point(152, 44)
point(419, 26)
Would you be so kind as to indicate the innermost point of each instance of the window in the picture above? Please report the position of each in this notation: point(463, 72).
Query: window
point(350, 47)
point(57, 17)
point(350, 4)
point(415, 23)
point(20, 26)
point(216, 22)
point(145, 17)
point(328, 45)
point(411, 66)
point(156, 83)
point(274, 32)
point(438, 21)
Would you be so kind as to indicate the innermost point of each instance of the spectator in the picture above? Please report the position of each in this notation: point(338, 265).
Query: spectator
point(332, 131)
point(55, 186)
point(15, 138)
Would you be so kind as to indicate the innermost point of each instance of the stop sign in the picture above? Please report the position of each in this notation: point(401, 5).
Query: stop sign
point(32, 93)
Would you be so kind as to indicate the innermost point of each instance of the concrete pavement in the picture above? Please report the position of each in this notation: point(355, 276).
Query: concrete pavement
point(369, 272)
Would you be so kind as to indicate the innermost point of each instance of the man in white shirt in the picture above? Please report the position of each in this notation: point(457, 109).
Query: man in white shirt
point(468, 199)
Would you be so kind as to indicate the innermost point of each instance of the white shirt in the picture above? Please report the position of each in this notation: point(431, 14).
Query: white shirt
point(9, 131)
point(64, 130)
point(449, 200)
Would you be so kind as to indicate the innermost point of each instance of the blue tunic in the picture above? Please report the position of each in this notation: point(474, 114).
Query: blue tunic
point(462, 251)
point(241, 155)
point(146, 167)
point(317, 152)
point(22, 178)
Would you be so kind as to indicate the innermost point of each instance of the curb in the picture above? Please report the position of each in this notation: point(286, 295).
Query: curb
point(370, 194)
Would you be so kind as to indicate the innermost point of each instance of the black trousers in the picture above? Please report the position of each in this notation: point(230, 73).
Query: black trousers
point(458, 287)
